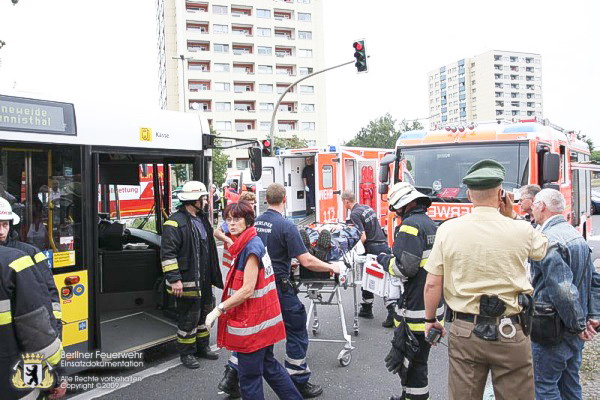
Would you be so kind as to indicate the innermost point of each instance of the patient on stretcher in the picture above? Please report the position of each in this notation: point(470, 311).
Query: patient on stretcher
point(329, 242)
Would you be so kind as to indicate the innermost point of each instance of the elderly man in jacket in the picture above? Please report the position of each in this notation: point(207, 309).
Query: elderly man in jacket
point(566, 283)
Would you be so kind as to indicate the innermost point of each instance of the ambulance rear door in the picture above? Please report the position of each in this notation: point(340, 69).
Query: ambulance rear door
point(327, 187)
point(294, 186)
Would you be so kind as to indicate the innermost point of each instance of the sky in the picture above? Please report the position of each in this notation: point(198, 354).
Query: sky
point(108, 48)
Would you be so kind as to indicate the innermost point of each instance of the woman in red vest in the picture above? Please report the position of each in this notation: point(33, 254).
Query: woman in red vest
point(250, 321)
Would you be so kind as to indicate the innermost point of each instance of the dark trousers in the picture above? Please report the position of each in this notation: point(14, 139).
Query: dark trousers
point(296, 344)
point(374, 249)
point(191, 314)
point(416, 386)
point(252, 367)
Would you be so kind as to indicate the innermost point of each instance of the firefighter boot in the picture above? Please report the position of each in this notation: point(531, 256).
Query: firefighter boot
point(308, 390)
point(389, 321)
point(306, 241)
point(366, 310)
point(204, 351)
point(230, 384)
point(189, 361)
point(323, 245)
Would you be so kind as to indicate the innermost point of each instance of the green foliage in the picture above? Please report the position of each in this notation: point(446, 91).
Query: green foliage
point(382, 133)
point(180, 172)
point(596, 155)
point(219, 162)
point(290, 143)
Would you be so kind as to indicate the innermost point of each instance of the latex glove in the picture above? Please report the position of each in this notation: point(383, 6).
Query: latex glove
point(212, 317)
point(306, 188)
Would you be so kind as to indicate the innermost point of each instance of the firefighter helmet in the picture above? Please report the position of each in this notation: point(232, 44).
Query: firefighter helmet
point(403, 193)
point(6, 212)
point(192, 191)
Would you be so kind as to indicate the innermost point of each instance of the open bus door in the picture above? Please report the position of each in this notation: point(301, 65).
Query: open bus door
point(327, 187)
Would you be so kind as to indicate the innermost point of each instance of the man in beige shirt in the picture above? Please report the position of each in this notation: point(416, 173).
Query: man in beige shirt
point(479, 260)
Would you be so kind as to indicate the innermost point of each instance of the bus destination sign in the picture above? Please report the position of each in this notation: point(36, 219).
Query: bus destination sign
point(36, 116)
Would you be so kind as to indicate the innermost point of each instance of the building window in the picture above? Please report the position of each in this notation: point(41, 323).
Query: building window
point(220, 28)
point(266, 106)
point(196, 86)
point(305, 53)
point(220, 10)
point(265, 126)
point(221, 48)
point(308, 107)
point(264, 32)
point(304, 35)
point(308, 126)
point(327, 176)
point(265, 69)
point(226, 106)
point(222, 86)
point(265, 51)
point(307, 89)
point(242, 163)
point(265, 88)
point(223, 125)
point(221, 67)
point(304, 17)
point(263, 13)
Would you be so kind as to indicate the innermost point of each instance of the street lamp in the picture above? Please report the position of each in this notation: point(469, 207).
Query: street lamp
point(183, 59)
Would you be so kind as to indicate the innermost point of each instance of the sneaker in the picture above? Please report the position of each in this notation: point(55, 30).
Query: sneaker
point(366, 311)
point(308, 390)
point(230, 384)
point(323, 245)
point(306, 240)
point(189, 361)
point(389, 321)
point(206, 352)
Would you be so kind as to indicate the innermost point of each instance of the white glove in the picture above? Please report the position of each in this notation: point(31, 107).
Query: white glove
point(212, 317)
point(306, 188)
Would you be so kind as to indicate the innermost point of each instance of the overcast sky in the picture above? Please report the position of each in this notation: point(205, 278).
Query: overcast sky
point(108, 48)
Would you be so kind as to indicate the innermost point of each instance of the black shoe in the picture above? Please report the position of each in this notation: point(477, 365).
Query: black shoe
point(366, 311)
point(206, 352)
point(189, 361)
point(389, 321)
point(397, 397)
point(306, 240)
point(308, 390)
point(323, 245)
point(230, 384)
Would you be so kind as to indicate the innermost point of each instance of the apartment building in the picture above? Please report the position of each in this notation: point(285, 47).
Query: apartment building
point(231, 60)
point(490, 86)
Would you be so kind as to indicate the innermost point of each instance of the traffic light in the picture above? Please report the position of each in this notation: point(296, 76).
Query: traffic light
point(267, 148)
point(360, 54)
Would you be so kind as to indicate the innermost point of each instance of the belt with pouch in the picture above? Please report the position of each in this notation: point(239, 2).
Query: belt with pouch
point(488, 328)
point(474, 317)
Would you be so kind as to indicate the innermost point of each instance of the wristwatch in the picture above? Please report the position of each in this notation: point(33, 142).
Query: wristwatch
point(221, 307)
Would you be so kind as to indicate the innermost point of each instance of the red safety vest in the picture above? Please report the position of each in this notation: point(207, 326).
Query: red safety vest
point(257, 323)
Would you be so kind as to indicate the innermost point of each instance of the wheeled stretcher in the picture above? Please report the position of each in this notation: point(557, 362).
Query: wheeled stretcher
point(328, 291)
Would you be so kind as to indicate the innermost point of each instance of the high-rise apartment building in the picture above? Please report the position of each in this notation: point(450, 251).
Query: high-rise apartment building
point(231, 60)
point(491, 86)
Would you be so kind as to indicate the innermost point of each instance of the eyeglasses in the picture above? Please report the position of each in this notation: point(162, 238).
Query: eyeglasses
point(233, 220)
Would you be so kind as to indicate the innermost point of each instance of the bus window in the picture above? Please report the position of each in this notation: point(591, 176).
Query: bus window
point(44, 189)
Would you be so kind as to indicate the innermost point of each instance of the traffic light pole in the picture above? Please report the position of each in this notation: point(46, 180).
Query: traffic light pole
point(272, 134)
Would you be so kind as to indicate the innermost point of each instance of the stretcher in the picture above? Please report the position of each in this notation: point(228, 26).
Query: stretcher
point(329, 292)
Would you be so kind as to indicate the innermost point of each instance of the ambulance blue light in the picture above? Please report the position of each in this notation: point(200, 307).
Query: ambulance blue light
point(522, 128)
point(413, 135)
point(332, 148)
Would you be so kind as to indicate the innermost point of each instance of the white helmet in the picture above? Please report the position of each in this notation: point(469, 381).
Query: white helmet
point(403, 193)
point(191, 191)
point(6, 212)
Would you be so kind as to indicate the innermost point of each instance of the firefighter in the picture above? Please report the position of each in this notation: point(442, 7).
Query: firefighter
point(26, 320)
point(375, 242)
point(8, 220)
point(191, 266)
point(412, 244)
point(283, 242)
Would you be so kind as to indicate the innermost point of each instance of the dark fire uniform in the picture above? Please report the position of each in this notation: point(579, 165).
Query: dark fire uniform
point(189, 254)
point(26, 320)
point(412, 244)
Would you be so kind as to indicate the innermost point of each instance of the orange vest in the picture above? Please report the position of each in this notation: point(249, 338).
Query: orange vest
point(257, 323)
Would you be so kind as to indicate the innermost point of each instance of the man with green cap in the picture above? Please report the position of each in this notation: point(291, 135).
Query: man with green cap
point(479, 262)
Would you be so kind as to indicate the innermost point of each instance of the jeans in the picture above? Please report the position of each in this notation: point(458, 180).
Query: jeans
point(556, 369)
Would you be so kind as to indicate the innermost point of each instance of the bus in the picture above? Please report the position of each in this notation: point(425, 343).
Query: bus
point(531, 151)
point(66, 169)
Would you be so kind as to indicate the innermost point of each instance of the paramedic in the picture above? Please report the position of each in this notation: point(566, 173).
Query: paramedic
point(308, 177)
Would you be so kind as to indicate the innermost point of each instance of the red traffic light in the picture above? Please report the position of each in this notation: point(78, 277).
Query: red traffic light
point(266, 143)
point(358, 46)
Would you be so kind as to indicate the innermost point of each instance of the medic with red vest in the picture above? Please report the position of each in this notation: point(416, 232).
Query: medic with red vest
point(250, 320)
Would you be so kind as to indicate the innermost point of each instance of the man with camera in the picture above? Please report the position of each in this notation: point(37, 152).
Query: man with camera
point(567, 302)
point(479, 261)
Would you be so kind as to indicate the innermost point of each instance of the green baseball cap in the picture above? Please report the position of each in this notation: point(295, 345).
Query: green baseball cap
point(484, 174)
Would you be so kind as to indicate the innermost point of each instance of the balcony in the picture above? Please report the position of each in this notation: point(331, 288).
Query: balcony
point(195, 7)
point(203, 66)
point(194, 27)
point(197, 46)
point(198, 86)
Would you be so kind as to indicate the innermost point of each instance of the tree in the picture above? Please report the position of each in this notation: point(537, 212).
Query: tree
point(290, 143)
point(382, 133)
point(219, 162)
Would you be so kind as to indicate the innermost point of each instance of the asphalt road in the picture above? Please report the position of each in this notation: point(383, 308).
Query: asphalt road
point(366, 376)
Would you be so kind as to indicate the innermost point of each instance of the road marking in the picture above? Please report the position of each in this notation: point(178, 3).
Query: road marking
point(137, 377)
